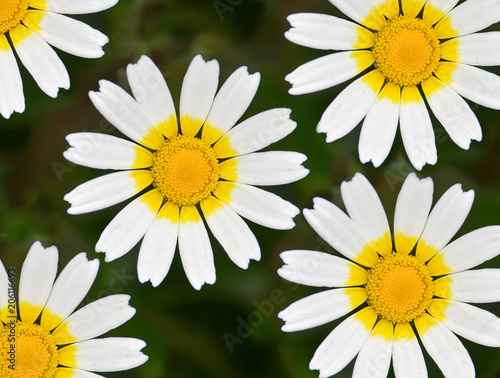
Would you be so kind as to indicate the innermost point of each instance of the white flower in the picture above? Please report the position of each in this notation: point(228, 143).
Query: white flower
point(197, 162)
point(50, 340)
point(31, 25)
point(410, 51)
point(421, 282)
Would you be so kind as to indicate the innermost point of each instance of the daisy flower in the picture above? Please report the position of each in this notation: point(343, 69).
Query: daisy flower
point(421, 282)
point(28, 27)
point(421, 49)
point(46, 337)
point(194, 165)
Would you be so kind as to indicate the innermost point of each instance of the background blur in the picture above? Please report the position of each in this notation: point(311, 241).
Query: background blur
point(229, 329)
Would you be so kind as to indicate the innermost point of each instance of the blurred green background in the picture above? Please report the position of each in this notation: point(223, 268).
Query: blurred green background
point(200, 334)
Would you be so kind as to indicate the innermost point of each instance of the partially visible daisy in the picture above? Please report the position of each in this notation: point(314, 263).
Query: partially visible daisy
point(47, 337)
point(421, 282)
point(194, 165)
point(419, 49)
point(28, 27)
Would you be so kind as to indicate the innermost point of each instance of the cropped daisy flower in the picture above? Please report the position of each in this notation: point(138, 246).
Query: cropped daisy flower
point(47, 337)
point(194, 165)
point(428, 47)
point(28, 27)
point(421, 282)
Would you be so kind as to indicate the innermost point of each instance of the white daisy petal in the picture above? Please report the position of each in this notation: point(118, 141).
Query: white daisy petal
point(255, 133)
point(73, 6)
point(11, 85)
point(444, 347)
point(469, 17)
point(457, 256)
point(473, 83)
point(129, 225)
point(107, 190)
point(380, 125)
point(70, 288)
point(75, 373)
point(453, 112)
point(412, 210)
point(259, 206)
point(365, 209)
point(5, 293)
point(106, 355)
point(436, 9)
point(231, 231)
point(390, 8)
point(444, 221)
point(151, 91)
point(344, 342)
point(479, 49)
point(158, 247)
point(328, 71)
point(195, 249)
point(313, 268)
point(470, 322)
point(407, 357)
point(412, 8)
point(232, 100)
point(125, 113)
point(340, 231)
point(362, 11)
point(104, 151)
point(67, 34)
point(325, 32)
point(94, 319)
point(37, 278)
point(350, 106)
point(40, 60)
point(416, 129)
point(321, 308)
point(265, 168)
point(474, 286)
point(374, 358)
point(197, 94)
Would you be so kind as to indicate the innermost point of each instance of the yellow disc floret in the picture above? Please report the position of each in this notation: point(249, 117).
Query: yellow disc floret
point(27, 351)
point(185, 170)
point(399, 288)
point(12, 12)
point(407, 51)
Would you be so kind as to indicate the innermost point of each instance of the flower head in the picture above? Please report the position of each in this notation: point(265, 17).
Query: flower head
point(47, 337)
point(421, 281)
point(194, 165)
point(427, 47)
point(28, 27)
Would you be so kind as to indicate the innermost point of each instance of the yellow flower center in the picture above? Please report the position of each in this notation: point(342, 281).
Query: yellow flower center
point(27, 351)
point(185, 170)
point(12, 13)
point(399, 288)
point(407, 51)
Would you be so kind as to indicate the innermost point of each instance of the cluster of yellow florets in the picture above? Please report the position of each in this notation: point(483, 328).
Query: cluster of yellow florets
point(185, 170)
point(35, 352)
point(407, 51)
point(12, 13)
point(399, 288)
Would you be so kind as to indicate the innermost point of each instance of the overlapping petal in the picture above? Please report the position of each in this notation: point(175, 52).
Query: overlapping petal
point(37, 278)
point(195, 249)
point(158, 247)
point(40, 60)
point(129, 225)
